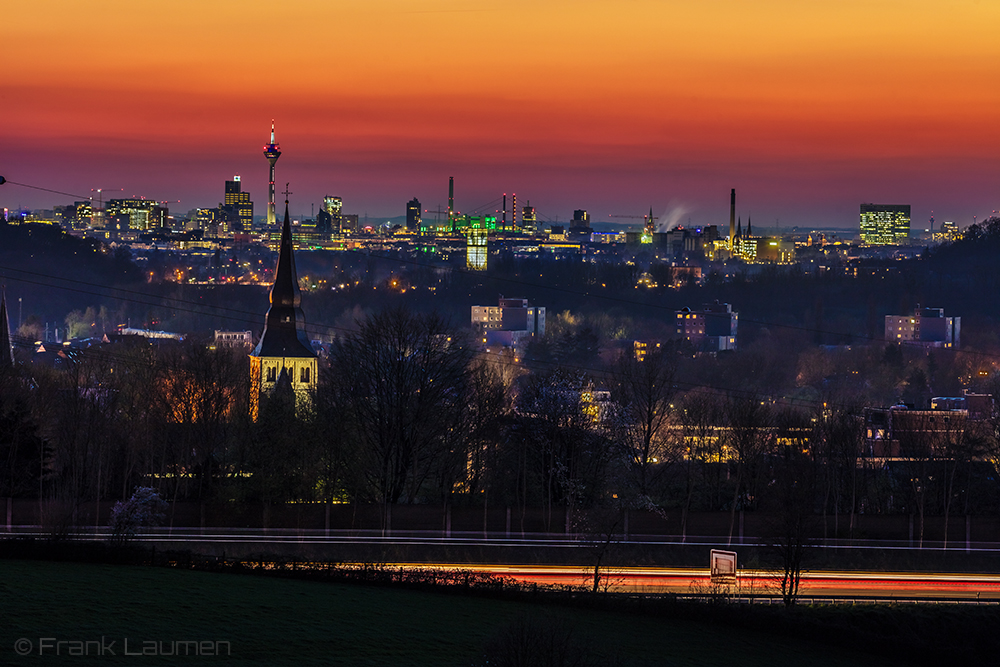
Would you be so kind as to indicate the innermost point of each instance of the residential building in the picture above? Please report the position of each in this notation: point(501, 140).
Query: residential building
point(511, 323)
point(926, 327)
point(711, 329)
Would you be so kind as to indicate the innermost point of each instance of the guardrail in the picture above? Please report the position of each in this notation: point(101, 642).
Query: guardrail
point(489, 538)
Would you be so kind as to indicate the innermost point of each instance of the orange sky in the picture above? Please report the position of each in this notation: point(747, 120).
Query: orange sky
point(806, 108)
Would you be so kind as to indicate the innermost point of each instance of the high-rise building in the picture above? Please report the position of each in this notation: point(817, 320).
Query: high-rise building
point(272, 152)
point(74, 216)
point(283, 359)
point(885, 224)
point(413, 215)
point(139, 214)
point(237, 209)
point(528, 219)
point(332, 205)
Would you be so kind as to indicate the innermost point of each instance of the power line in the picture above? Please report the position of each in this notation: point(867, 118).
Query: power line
point(35, 187)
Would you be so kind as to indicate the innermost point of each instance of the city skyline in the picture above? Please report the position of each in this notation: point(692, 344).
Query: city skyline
point(806, 111)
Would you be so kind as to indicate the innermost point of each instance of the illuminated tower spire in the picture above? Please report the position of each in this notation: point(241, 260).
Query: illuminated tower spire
point(272, 152)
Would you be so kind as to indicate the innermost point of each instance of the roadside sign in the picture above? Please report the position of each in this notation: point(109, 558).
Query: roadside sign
point(723, 567)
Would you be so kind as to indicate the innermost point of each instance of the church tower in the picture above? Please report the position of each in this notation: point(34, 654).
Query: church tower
point(283, 354)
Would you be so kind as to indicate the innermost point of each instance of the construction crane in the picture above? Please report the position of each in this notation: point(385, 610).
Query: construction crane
point(637, 217)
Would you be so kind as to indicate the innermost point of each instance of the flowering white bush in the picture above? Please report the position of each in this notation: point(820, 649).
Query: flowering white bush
point(144, 508)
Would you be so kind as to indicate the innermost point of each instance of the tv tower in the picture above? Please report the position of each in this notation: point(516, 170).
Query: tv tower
point(272, 152)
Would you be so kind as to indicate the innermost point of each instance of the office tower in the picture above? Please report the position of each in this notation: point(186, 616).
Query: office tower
point(272, 152)
point(139, 214)
point(332, 205)
point(237, 209)
point(528, 217)
point(413, 215)
point(885, 224)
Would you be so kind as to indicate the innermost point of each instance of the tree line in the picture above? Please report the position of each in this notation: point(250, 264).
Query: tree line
point(409, 411)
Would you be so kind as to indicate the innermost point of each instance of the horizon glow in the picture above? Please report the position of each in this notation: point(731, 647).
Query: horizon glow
point(807, 110)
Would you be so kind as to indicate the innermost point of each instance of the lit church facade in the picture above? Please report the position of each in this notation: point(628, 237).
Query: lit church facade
point(284, 354)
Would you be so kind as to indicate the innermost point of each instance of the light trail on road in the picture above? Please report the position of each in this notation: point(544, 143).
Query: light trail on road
point(765, 583)
point(638, 580)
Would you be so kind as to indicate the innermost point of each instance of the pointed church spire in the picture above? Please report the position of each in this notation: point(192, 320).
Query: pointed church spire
point(284, 328)
point(749, 232)
point(6, 349)
point(739, 228)
point(285, 290)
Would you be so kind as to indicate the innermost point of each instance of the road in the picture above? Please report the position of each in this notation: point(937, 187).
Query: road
point(816, 584)
point(813, 584)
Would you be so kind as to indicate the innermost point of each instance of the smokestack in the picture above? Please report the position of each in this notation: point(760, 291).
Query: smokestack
point(513, 212)
point(504, 222)
point(732, 218)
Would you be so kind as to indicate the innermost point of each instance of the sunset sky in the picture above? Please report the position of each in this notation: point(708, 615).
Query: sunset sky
point(806, 108)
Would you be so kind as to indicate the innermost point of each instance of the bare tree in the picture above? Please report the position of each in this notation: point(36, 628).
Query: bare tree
point(699, 416)
point(792, 504)
point(643, 392)
point(402, 379)
point(749, 438)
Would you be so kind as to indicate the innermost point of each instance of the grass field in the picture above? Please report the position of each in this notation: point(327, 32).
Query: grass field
point(272, 621)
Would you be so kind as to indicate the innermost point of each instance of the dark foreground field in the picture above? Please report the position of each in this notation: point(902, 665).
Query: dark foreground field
point(272, 621)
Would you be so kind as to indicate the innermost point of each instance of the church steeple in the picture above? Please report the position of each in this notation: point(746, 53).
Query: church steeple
point(749, 231)
point(284, 328)
point(284, 354)
point(739, 228)
point(6, 349)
